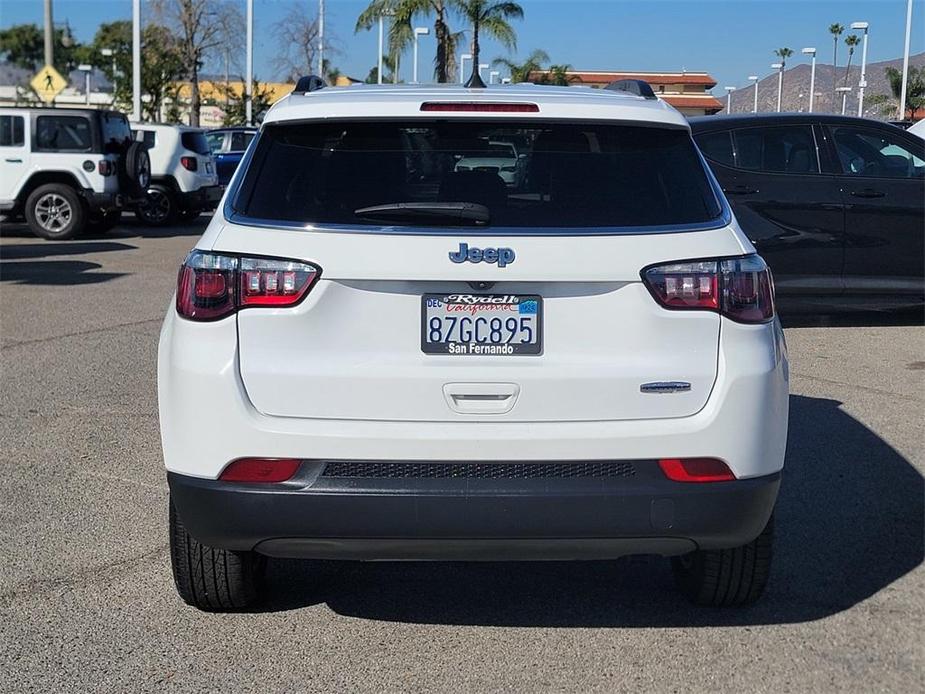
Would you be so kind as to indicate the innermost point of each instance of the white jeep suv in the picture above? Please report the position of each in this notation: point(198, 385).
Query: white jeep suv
point(184, 181)
point(373, 355)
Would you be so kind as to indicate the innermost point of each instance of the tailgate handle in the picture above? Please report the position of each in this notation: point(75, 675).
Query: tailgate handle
point(481, 398)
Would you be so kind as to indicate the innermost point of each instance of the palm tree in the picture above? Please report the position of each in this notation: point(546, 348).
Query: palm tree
point(492, 18)
point(401, 31)
point(558, 75)
point(836, 31)
point(783, 54)
point(851, 41)
point(915, 93)
point(520, 72)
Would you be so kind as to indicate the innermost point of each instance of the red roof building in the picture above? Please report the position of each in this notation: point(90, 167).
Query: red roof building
point(689, 92)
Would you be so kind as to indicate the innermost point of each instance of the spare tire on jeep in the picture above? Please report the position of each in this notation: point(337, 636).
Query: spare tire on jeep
point(135, 169)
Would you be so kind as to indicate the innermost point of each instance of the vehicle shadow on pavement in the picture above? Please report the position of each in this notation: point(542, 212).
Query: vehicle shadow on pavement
point(48, 249)
point(55, 272)
point(850, 521)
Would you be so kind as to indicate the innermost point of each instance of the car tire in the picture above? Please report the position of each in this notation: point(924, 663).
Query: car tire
point(136, 169)
point(159, 208)
point(55, 211)
point(102, 223)
point(212, 579)
point(726, 577)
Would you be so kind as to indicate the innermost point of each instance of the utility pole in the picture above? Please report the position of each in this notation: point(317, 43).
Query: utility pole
point(136, 60)
point(321, 39)
point(902, 92)
point(49, 35)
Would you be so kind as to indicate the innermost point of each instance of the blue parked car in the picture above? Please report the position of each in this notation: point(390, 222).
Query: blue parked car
point(228, 146)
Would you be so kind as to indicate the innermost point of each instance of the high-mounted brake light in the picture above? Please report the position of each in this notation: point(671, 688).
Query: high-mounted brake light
point(479, 107)
point(696, 470)
point(738, 288)
point(211, 285)
point(189, 163)
point(260, 470)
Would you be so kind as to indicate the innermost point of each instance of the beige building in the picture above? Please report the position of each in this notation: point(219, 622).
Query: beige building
point(689, 92)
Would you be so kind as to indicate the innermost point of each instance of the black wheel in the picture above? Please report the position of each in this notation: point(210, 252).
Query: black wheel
point(136, 169)
point(159, 208)
point(102, 223)
point(216, 580)
point(55, 211)
point(726, 577)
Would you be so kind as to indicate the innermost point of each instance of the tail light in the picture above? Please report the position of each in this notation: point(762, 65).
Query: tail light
point(106, 167)
point(260, 470)
point(738, 288)
point(696, 470)
point(211, 285)
point(189, 163)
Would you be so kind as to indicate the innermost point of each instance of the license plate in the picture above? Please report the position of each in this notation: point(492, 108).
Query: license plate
point(482, 324)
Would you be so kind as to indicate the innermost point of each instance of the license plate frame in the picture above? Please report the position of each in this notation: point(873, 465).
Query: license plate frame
point(486, 348)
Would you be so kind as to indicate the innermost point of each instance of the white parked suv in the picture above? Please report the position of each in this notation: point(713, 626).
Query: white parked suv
point(184, 181)
point(67, 171)
point(375, 356)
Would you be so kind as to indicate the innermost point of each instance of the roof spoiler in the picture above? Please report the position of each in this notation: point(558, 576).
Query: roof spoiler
point(637, 87)
point(309, 83)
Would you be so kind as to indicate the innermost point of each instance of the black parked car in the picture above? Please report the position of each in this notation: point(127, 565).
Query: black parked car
point(836, 205)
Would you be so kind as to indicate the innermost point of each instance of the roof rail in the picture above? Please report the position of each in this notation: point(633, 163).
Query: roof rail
point(309, 83)
point(637, 87)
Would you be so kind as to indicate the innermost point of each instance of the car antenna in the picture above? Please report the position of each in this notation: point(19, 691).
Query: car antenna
point(475, 79)
point(309, 83)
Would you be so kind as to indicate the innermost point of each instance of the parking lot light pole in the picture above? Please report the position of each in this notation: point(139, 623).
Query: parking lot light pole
point(812, 75)
point(418, 32)
point(729, 91)
point(86, 69)
point(754, 78)
point(492, 76)
point(136, 61)
point(780, 81)
point(902, 90)
point(862, 83)
point(379, 62)
point(844, 97)
point(249, 67)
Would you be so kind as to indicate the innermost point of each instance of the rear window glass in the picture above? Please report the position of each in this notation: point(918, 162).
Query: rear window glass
point(527, 175)
point(195, 140)
point(66, 133)
point(117, 135)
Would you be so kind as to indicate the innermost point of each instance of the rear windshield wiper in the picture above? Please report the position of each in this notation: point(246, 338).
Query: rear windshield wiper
point(462, 213)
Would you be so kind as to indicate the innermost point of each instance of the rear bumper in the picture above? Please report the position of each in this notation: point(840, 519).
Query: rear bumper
point(317, 516)
point(104, 202)
point(205, 198)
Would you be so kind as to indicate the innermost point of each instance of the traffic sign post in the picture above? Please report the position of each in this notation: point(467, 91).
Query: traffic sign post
point(48, 83)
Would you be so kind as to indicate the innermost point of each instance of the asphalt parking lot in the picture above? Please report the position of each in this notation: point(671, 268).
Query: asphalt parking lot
point(86, 595)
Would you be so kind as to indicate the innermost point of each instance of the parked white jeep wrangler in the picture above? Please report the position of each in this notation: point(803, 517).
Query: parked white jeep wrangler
point(69, 170)
point(184, 181)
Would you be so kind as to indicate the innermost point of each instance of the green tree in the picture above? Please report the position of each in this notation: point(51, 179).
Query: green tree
point(558, 75)
point(851, 41)
point(492, 19)
point(401, 15)
point(235, 106)
point(24, 46)
point(520, 72)
point(915, 93)
point(836, 30)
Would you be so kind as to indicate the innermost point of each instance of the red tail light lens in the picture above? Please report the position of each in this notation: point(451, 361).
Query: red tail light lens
point(212, 286)
point(739, 288)
point(260, 470)
point(189, 163)
point(106, 167)
point(696, 470)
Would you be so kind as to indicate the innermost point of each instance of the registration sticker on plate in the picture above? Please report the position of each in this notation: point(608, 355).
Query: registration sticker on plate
point(482, 324)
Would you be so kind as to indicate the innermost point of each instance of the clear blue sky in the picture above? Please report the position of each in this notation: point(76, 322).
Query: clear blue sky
point(731, 39)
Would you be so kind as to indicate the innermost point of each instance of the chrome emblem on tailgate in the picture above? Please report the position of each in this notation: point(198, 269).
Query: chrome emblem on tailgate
point(665, 387)
point(501, 256)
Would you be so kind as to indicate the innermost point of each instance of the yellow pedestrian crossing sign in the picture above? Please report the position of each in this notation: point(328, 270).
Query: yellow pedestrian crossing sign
point(48, 83)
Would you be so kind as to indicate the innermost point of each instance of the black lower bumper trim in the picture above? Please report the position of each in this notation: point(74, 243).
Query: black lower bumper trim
point(562, 518)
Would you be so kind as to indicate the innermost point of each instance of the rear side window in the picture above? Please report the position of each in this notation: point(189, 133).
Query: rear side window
point(530, 175)
point(195, 140)
point(11, 131)
point(64, 133)
point(717, 147)
point(240, 141)
point(782, 149)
